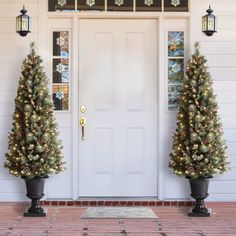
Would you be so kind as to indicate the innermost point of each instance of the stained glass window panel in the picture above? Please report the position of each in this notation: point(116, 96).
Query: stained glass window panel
point(61, 70)
point(176, 5)
point(120, 5)
point(176, 44)
point(92, 5)
point(173, 96)
point(148, 5)
point(61, 97)
point(175, 70)
point(61, 5)
point(61, 43)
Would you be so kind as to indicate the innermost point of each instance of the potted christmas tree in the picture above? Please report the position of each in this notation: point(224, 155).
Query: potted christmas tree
point(198, 151)
point(34, 151)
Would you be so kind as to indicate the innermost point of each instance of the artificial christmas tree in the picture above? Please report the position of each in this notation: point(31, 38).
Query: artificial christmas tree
point(198, 150)
point(34, 151)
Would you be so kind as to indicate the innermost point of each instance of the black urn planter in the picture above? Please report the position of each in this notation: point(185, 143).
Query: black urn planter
point(35, 191)
point(199, 191)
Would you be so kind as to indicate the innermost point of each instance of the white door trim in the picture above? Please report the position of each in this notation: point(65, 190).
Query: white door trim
point(74, 96)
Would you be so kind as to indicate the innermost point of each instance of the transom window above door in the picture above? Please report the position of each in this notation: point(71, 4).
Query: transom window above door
point(119, 5)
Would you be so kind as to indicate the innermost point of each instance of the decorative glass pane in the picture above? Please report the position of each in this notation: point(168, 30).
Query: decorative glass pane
point(120, 5)
point(61, 43)
point(176, 44)
point(61, 5)
point(61, 97)
point(61, 70)
point(148, 5)
point(175, 5)
point(173, 96)
point(95, 5)
point(175, 67)
point(175, 70)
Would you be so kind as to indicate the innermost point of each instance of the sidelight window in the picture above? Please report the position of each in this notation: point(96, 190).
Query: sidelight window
point(175, 67)
point(60, 70)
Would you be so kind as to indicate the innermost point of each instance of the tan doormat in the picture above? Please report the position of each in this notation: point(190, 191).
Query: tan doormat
point(119, 213)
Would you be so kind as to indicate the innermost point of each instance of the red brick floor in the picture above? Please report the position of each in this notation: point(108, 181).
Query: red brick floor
point(66, 221)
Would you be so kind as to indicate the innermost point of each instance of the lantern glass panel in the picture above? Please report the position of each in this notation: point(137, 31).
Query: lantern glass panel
point(25, 23)
point(204, 23)
point(18, 23)
point(211, 23)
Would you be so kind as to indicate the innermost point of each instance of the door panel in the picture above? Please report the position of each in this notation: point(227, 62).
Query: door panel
point(118, 86)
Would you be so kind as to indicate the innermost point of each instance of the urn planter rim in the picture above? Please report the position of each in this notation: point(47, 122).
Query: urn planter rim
point(201, 177)
point(36, 177)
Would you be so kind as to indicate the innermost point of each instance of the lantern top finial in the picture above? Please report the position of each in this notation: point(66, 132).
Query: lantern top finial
point(23, 11)
point(209, 10)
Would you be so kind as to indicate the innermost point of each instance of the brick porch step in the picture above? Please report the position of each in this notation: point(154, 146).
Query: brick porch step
point(121, 202)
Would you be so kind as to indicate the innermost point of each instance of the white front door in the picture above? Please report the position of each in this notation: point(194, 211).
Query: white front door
point(118, 87)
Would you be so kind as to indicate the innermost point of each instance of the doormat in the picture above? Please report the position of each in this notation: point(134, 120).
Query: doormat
point(119, 213)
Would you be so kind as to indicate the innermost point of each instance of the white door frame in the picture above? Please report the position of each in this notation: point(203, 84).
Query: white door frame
point(43, 43)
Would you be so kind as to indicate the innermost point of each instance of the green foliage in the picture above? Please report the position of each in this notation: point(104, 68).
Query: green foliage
point(34, 149)
point(198, 149)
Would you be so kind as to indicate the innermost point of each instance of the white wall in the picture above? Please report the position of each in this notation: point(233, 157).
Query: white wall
point(219, 49)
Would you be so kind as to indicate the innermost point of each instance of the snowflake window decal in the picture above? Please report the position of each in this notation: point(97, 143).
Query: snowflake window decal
point(61, 2)
point(90, 2)
point(60, 95)
point(119, 2)
point(148, 2)
point(175, 3)
point(60, 41)
point(60, 68)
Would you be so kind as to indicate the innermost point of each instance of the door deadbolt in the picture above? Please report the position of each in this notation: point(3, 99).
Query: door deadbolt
point(83, 109)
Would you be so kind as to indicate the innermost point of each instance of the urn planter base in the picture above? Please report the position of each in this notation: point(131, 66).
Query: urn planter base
point(42, 213)
point(191, 213)
point(199, 191)
point(35, 191)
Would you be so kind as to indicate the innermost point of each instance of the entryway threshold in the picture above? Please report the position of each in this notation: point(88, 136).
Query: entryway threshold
point(85, 202)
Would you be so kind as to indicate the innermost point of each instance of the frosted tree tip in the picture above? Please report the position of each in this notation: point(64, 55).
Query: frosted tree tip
point(197, 46)
point(32, 47)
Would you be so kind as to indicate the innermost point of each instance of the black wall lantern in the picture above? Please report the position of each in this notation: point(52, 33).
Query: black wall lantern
point(23, 23)
point(209, 23)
